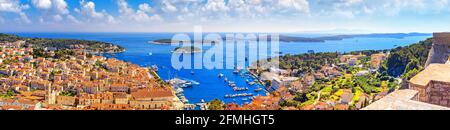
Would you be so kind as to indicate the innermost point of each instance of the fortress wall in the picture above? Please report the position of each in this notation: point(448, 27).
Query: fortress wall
point(423, 92)
point(440, 51)
point(435, 92)
point(439, 93)
point(441, 38)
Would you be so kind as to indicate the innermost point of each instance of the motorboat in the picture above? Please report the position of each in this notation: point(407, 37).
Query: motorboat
point(258, 90)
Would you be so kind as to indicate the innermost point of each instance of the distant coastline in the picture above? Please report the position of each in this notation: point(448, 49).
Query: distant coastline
point(89, 46)
point(285, 38)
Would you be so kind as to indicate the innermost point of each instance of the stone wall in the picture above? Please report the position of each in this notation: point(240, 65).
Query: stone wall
point(423, 91)
point(439, 93)
point(435, 92)
point(441, 38)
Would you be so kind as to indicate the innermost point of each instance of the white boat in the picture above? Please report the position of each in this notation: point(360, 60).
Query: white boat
point(251, 83)
point(176, 82)
point(150, 54)
point(221, 75)
point(179, 90)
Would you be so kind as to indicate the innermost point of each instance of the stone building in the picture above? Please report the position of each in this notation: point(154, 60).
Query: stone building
point(433, 84)
point(152, 98)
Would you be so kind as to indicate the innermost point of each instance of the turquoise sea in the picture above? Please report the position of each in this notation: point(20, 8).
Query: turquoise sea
point(211, 87)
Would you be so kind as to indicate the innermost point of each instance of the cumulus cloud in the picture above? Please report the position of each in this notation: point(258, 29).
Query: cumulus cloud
point(351, 8)
point(55, 6)
point(89, 13)
point(168, 7)
point(13, 6)
point(139, 15)
point(51, 10)
point(42, 4)
point(190, 12)
point(298, 5)
point(72, 19)
point(146, 8)
point(215, 6)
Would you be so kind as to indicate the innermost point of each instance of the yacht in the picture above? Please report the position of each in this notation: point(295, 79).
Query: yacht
point(258, 90)
point(220, 75)
point(154, 68)
point(179, 90)
point(251, 83)
point(179, 83)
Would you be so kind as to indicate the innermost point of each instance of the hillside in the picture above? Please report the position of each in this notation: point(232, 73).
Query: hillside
point(59, 44)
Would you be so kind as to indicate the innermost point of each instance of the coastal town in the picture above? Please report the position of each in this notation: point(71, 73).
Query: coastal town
point(37, 77)
point(62, 79)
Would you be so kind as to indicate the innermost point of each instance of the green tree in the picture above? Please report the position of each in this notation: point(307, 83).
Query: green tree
point(216, 104)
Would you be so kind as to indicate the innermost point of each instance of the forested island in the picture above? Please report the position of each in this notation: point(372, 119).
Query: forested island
point(187, 49)
point(93, 47)
point(286, 38)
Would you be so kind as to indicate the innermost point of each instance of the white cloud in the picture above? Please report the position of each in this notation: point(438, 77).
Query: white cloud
point(89, 13)
point(57, 18)
point(168, 7)
point(140, 16)
point(13, 6)
point(61, 6)
point(56, 6)
point(24, 18)
point(51, 10)
point(42, 4)
point(72, 19)
point(146, 8)
point(352, 8)
point(298, 5)
point(215, 6)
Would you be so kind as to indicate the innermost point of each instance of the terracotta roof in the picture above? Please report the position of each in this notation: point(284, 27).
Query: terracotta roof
point(435, 72)
point(152, 93)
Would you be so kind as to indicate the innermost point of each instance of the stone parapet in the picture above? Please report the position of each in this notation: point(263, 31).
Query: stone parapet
point(441, 38)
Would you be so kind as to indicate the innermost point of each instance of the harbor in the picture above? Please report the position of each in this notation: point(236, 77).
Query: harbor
point(213, 83)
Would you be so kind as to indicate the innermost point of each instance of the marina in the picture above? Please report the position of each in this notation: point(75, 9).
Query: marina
point(238, 95)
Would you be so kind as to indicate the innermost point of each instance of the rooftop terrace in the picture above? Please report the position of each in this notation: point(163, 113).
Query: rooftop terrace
point(436, 72)
point(402, 100)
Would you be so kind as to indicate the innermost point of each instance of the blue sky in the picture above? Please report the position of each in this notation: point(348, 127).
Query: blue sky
point(349, 16)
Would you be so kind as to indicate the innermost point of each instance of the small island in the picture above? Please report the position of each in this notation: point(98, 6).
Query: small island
point(187, 49)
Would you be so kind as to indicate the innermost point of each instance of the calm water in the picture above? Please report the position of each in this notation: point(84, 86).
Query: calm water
point(211, 87)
